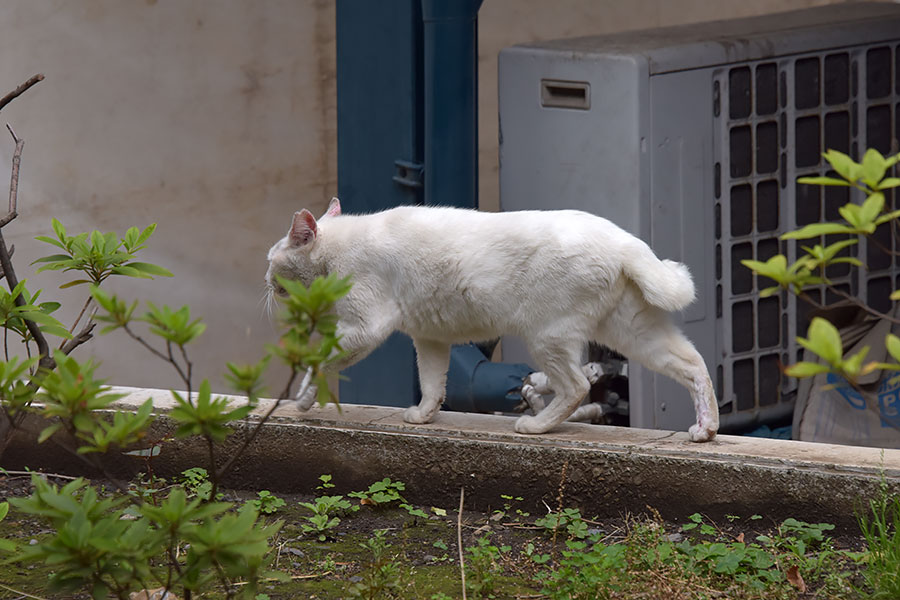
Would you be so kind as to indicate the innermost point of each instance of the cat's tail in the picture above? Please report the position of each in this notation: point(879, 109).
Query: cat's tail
point(665, 283)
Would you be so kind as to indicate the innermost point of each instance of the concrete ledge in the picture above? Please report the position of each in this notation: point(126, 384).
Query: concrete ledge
point(605, 471)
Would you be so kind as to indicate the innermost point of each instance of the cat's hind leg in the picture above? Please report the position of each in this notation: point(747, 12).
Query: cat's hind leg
point(433, 359)
point(561, 361)
point(651, 339)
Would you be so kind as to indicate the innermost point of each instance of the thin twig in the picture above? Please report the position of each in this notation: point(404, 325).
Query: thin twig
point(459, 545)
point(862, 305)
point(12, 281)
point(84, 308)
point(42, 474)
point(882, 247)
point(86, 333)
point(562, 488)
point(12, 250)
point(262, 421)
point(20, 592)
point(9, 272)
point(14, 179)
point(184, 376)
point(20, 90)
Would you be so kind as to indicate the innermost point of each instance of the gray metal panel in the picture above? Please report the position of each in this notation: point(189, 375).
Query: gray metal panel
point(714, 43)
point(681, 188)
point(543, 150)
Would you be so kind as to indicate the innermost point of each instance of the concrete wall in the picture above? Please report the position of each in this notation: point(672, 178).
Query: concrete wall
point(216, 120)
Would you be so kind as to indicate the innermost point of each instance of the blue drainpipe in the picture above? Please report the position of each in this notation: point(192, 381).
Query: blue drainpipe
point(450, 36)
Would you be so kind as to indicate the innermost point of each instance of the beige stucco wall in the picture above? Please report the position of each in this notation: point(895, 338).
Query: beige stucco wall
point(216, 120)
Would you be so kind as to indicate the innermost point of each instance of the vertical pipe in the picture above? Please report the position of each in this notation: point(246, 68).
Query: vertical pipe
point(451, 102)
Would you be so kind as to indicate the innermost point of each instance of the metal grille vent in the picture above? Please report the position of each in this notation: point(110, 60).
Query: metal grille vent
point(773, 120)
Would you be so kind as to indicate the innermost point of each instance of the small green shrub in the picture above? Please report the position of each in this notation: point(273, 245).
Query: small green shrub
point(266, 502)
point(881, 528)
point(382, 577)
point(482, 564)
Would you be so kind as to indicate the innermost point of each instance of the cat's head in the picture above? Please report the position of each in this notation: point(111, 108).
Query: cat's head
point(290, 257)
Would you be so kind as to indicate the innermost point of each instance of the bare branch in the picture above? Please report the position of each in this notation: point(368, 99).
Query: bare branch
point(459, 545)
point(9, 272)
point(79, 338)
point(223, 471)
point(12, 250)
point(14, 179)
point(862, 305)
point(12, 281)
point(20, 90)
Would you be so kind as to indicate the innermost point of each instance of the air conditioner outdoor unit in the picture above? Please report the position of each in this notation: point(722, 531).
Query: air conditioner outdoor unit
point(693, 138)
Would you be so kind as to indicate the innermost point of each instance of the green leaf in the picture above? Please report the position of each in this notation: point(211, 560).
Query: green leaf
point(824, 340)
point(892, 343)
point(48, 431)
point(58, 229)
point(128, 271)
point(816, 230)
point(98, 241)
point(52, 257)
point(824, 181)
point(831, 250)
point(845, 166)
point(150, 269)
point(871, 208)
point(74, 283)
point(57, 330)
point(887, 217)
point(873, 167)
point(851, 366)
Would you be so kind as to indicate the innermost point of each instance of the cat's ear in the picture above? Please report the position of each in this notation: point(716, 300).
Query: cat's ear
point(303, 228)
point(334, 208)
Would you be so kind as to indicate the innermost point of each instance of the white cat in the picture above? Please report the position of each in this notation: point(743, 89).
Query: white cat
point(556, 279)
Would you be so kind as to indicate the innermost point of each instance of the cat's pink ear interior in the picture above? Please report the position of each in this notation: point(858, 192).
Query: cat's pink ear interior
point(303, 228)
point(334, 208)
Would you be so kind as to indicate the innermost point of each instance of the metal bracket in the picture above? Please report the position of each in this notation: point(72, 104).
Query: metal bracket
point(409, 174)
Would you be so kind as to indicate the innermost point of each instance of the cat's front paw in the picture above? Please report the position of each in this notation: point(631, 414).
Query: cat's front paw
point(307, 399)
point(414, 414)
point(705, 433)
point(530, 425)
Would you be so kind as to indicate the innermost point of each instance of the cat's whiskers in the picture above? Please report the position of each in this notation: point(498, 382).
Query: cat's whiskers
point(268, 300)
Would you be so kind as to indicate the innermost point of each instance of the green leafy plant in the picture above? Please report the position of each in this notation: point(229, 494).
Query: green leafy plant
point(325, 511)
point(880, 526)
point(196, 483)
point(386, 492)
point(5, 545)
point(97, 256)
point(382, 577)
point(483, 564)
point(568, 520)
point(92, 545)
point(266, 502)
point(697, 522)
point(871, 176)
point(585, 572)
point(507, 511)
